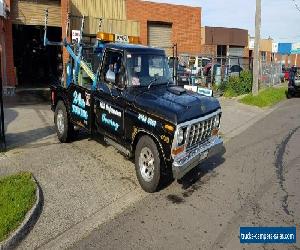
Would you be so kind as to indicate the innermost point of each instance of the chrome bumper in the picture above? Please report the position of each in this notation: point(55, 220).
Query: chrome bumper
point(192, 158)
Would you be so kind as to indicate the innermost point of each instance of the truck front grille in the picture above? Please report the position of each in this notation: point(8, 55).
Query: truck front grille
point(200, 132)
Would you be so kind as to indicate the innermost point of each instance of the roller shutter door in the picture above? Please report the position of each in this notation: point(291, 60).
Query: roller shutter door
point(236, 52)
point(33, 12)
point(160, 35)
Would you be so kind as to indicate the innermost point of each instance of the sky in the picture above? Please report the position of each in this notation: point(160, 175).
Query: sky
point(280, 18)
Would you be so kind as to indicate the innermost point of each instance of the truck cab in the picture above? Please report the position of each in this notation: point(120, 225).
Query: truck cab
point(136, 107)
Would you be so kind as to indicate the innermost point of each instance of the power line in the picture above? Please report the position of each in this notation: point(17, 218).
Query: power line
point(296, 5)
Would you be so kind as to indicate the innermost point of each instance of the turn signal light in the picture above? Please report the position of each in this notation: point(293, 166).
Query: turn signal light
point(108, 37)
point(133, 39)
point(178, 150)
point(170, 128)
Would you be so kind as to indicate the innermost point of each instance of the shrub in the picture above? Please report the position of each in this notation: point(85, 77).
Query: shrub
point(237, 85)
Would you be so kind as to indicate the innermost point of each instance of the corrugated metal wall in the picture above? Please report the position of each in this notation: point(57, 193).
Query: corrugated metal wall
point(123, 27)
point(110, 9)
point(33, 12)
point(113, 13)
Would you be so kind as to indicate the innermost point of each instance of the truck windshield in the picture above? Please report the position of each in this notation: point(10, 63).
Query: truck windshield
point(147, 69)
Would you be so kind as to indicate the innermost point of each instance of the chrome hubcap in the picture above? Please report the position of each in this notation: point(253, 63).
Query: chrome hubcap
point(60, 122)
point(146, 163)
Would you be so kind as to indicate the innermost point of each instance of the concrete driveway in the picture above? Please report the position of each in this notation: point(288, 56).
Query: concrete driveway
point(84, 183)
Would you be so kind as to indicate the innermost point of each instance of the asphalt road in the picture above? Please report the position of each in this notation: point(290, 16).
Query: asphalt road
point(256, 183)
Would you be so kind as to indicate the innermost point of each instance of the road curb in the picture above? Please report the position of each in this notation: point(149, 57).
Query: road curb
point(28, 222)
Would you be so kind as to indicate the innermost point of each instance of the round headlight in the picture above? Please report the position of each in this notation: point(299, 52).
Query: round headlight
point(180, 136)
point(217, 121)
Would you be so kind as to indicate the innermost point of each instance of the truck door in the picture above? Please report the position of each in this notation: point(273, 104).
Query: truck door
point(80, 105)
point(109, 102)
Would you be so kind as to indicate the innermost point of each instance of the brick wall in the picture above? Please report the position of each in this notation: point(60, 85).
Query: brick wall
point(246, 52)
point(268, 56)
point(8, 73)
point(186, 22)
point(208, 50)
point(293, 59)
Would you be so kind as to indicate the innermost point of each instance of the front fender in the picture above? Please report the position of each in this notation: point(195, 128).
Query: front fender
point(163, 142)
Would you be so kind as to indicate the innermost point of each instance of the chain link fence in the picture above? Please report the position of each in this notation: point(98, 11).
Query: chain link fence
point(211, 71)
point(270, 74)
point(219, 69)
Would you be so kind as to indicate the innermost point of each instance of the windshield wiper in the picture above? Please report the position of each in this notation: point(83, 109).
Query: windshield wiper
point(151, 82)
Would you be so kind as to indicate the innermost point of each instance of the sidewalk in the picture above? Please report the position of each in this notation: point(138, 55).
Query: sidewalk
point(84, 183)
point(237, 117)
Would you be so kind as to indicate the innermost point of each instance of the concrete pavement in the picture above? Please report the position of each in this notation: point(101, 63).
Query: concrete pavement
point(237, 117)
point(85, 183)
point(256, 183)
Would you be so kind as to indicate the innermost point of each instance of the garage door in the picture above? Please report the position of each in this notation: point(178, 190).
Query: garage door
point(33, 12)
point(160, 35)
point(235, 53)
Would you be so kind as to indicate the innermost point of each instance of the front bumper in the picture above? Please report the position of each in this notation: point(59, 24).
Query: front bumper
point(192, 158)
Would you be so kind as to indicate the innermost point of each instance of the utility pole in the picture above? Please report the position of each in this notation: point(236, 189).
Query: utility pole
point(256, 48)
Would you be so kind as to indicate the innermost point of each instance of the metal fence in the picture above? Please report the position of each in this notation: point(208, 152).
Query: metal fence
point(225, 67)
point(215, 70)
point(270, 74)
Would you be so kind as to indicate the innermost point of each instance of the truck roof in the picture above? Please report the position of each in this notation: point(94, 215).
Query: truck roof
point(135, 48)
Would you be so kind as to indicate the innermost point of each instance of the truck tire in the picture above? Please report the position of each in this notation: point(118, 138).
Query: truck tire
point(147, 164)
point(63, 127)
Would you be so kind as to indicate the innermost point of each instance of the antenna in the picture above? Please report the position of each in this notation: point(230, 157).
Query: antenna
point(45, 28)
point(100, 24)
point(82, 27)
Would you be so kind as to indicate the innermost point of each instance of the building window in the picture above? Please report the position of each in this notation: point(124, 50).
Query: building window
point(273, 58)
point(263, 56)
point(221, 50)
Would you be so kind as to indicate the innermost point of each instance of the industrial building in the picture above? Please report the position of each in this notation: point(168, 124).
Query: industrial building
point(25, 62)
point(222, 42)
point(163, 25)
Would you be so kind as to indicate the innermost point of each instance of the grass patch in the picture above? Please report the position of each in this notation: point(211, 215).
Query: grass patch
point(230, 93)
point(17, 196)
point(265, 98)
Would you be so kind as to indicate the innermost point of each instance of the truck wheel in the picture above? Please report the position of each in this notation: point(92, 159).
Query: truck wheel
point(64, 128)
point(147, 164)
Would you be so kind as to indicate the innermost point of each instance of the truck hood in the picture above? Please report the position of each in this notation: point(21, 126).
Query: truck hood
point(175, 104)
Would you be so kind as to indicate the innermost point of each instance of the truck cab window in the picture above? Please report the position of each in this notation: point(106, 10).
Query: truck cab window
point(112, 66)
point(143, 69)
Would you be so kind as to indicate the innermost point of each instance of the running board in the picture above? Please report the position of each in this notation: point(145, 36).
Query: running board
point(118, 146)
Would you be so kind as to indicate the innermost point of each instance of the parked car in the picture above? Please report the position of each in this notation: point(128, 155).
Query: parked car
point(286, 75)
point(294, 82)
